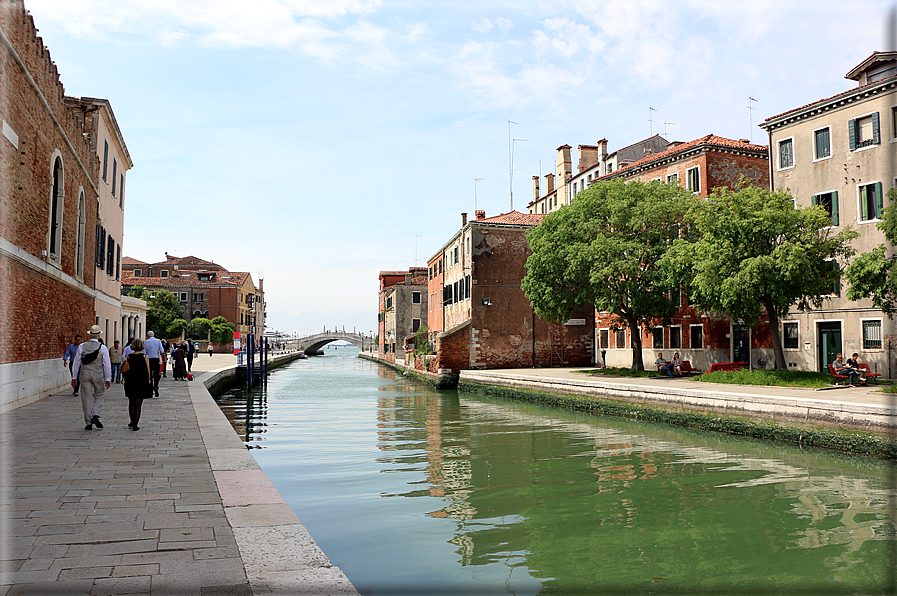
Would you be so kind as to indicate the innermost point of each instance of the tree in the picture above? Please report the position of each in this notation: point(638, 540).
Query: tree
point(163, 311)
point(222, 330)
point(874, 274)
point(603, 250)
point(754, 252)
point(199, 328)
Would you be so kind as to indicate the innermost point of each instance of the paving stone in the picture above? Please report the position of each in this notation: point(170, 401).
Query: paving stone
point(85, 573)
point(118, 548)
point(72, 562)
point(121, 585)
point(72, 587)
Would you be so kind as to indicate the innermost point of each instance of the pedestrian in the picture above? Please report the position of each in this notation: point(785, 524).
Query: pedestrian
point(68, 359)
point(115, 357)
point(165, 348)
point(179, 357)
point(210, 349)
point(191, 352)
point(138, 381)
point(94, 370)
point(155, 353)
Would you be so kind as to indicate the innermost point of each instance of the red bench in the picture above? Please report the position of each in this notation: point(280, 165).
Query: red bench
point(867, 372)
point(836, 375)
point(686, 368)
point(728, 366)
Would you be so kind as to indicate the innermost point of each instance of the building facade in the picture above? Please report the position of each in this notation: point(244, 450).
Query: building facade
point(479, 316)
point(700, 337)
point(49, 201)
point(841, 153)
point(403, 309)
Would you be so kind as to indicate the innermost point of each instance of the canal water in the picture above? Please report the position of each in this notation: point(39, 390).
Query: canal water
point(413, 491)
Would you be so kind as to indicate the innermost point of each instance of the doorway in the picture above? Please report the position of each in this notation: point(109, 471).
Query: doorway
point(829, 344)
point(741, 343)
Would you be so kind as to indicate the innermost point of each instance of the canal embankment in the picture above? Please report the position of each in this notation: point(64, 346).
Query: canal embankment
point(851, 420)
point(178, 507)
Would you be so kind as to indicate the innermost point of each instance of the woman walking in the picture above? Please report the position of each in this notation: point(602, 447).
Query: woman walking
point(138, 382)
point(179, 355)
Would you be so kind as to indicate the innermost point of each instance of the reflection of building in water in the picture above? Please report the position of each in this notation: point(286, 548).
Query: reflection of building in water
point(247, 413)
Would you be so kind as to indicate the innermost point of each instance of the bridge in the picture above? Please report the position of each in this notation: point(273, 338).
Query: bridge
point(313, 344)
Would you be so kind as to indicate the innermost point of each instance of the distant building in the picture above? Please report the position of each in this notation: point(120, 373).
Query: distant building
point(107, 143)
point(840, 153)
point(402, 309)
point(700, 337)
point(479, 316)
point(203, 288)
point(49, 199)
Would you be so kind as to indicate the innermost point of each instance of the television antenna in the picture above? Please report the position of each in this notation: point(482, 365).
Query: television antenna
point(750, 109)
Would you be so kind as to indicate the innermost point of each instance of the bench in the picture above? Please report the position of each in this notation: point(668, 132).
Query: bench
point(836, 375)
point(717, 366)
point(685, 367)
point(867, 372)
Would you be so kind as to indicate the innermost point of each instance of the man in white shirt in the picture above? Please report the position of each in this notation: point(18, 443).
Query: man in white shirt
point(155, 353)
point(92, 366)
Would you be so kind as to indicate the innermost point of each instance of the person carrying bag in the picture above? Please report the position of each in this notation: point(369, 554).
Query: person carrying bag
point(138, 381)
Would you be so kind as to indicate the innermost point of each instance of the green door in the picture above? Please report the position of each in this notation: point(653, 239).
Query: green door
point(829, 344)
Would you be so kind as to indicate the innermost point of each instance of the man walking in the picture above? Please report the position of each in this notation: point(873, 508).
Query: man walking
point(68, 359)
point(156, 354)
point(191, 352)
point(91, 365)
point(115, 358)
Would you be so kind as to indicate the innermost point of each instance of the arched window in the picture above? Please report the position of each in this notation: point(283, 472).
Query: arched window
point(56, 208)
point(82, 230)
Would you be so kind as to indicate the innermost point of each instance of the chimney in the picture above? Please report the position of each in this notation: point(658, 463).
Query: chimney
point(463, 219)
point(536, 188)
point(744, 140)
point(602, 149)
point(549, 184)
point(588, 156)
point(479, 214)
point(565, 164)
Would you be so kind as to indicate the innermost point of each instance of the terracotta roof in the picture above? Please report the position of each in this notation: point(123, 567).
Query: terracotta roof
point(710, 139)
point(131, 261)
point(419, 280)
point(514, 218)
point(129, 279)
point(827, 100)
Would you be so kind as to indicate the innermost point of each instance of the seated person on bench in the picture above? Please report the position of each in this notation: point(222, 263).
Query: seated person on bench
point(841, 368)
point(854, 363)
point(663, 365)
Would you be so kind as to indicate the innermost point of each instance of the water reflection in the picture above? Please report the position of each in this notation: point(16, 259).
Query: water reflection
point(387, 474)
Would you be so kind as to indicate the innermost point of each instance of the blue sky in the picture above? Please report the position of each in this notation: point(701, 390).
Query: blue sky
point(314, 143)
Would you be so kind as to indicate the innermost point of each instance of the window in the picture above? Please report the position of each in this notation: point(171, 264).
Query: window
point(440, 265)
point(82, 231)
point(673, 179)
point(138, 273)
point(183, 297)
point(894, 122)
point(822, 144)
point(117, 262)
point(693, 180)
point(163, 273)
point(871, 200)
point(100, 248)
point(121, 191)
point(621, 338)
point(790, 331)
point(197, 297)
point(105, 158)
point(829, 201)
point(456, 295)
point(834, 276)
point(415, 325)
point(604, 338)
point(114, 174)
point(696, 337)
point(864, 132)
point(57, 190)
point(447, 294)
point(675, 338)
point(467, 286)
point(871, 335)
point(657, 337)
point(456, 255)
point(786, 154)
point(389, 302)
point(415, 297)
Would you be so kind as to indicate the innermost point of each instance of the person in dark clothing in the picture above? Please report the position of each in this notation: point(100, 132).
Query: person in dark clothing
point(179, 355)
point(191, 352)
point(138, 382)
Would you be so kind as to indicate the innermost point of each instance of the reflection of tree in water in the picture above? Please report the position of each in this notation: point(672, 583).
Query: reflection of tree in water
point(584, 505)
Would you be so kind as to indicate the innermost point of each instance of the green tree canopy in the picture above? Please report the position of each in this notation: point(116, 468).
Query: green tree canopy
point(603, 249)
point(752, 251)
point(874, 274)
point(222, 330)
point(199, 328)
point(163, 311)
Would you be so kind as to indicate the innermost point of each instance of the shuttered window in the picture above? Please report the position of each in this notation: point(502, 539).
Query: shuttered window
point(105, 158)
point(828, 200)
point(871, 201)
point(786, 154)
point(864, 132)
point(822, 143)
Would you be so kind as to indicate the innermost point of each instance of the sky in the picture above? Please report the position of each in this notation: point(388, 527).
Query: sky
point(315, 143)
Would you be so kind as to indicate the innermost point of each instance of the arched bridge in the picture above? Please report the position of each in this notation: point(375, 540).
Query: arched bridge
point(313, 344)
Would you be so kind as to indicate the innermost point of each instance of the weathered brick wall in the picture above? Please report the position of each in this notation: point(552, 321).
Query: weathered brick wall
point(453, 349)
point(727, 169)
point(39, 311)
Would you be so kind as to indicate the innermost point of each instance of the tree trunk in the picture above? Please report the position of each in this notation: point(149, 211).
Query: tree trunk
point(635, 336)
point(774, 337)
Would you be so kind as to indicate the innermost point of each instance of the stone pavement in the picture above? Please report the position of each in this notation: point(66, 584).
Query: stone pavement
point(178, 507)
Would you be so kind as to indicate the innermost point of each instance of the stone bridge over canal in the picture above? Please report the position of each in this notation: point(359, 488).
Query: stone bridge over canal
point(314, 344)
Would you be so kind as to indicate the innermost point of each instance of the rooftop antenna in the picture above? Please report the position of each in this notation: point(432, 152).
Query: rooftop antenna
point(475, 180)
point(511, 162)
point(512, 170)
point(650, 120)
point(665, 124)
point(416, 236)
point(750, 109)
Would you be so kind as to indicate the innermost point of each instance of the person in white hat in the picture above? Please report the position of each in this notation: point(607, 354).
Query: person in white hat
point(94, 370)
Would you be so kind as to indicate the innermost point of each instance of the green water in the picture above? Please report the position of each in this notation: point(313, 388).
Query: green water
point(412, 491)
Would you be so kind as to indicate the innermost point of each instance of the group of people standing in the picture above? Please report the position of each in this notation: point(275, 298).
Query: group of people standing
point(140, 365)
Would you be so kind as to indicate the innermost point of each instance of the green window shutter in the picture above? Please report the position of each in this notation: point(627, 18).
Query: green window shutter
point(814, 200)
point(864, 204)
point(878, 200)
point(835, 218)
point(876, 135)
point(852, 133)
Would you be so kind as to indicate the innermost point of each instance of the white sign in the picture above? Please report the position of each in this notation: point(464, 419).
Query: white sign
point(576, 322)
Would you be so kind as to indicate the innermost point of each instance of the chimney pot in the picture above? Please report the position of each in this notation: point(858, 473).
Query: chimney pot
point(463, 219)
point(479, 214)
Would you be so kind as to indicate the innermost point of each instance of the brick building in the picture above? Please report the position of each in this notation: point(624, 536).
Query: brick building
point(48, 199)
point(203, 288)
point(479, 316)
point(402, 309)
point(700, 337)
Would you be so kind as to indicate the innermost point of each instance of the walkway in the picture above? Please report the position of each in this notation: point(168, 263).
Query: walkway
point(178, 507)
